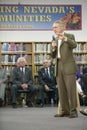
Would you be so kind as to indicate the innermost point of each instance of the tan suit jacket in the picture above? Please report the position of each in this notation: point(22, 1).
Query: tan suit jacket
point(66, 52)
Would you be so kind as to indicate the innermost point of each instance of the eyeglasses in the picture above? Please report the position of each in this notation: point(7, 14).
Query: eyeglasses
point(45, 62)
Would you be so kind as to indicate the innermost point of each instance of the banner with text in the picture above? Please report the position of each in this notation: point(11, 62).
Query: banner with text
point(39, 17)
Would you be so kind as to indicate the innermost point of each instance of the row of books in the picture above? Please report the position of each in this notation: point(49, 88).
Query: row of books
point(81, 48)
point(39, 58)
point(38, 47)
point(12, 59)
point(13, 47)
point(22, 47)
point(42, 47)
point(80, 58)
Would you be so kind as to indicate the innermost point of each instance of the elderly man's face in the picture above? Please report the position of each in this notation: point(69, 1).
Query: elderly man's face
point(22, 63)
point(45, 63)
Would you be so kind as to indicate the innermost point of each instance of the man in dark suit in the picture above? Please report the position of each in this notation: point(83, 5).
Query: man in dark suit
point(47, 81)
point(62, 50)
point(22, 79)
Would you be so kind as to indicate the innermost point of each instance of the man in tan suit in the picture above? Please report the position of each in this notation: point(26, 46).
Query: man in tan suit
point(62, 50)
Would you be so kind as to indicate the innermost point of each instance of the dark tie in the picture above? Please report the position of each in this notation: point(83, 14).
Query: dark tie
point(47, 72)
point(23, 75)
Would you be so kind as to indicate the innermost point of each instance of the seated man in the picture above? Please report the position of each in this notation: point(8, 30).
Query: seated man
point(3, 79)
point(47, 81)
point(22, 79)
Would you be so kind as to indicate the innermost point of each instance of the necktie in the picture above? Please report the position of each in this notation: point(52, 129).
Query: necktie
point(23, 74)
point(47, 72)
point(23, 70)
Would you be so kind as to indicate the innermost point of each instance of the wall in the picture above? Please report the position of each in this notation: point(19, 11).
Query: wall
point(44, 35)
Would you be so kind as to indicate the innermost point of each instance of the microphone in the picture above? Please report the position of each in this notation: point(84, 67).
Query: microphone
point(53, 38)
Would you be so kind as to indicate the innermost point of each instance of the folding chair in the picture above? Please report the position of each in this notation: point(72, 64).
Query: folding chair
point(26, 91)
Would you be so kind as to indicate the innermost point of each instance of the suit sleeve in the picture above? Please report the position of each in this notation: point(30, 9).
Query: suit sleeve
point(71, 41)
point(40, 79)
point(14, 77)
point(53, 52)
point(4, 76)
point(30, 82)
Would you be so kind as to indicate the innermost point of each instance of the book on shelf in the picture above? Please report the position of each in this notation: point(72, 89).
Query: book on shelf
point(12, 46)
point(81, 47)
point(41, 47)
point(39, 58)
point(82, 58)
point(20, 47)
point(16, 57)
point(12, 59)
point(5, 46)
point(28, 59)
point(28, 47)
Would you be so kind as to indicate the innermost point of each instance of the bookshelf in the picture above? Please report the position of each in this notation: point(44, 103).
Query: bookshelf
point(11, 51)
point(41, 52)
point(35, 53)
point(80, 55)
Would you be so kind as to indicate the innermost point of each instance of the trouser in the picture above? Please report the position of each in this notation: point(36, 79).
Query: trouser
point(50, 94)
point(2, 91)
point(67, 90)
point(14, 89)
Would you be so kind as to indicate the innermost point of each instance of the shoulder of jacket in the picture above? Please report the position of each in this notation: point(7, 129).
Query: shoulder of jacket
point(42, 69)
point(68, 34)
point(28, 69)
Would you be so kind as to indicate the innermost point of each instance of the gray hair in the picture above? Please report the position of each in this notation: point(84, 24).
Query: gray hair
point(60, 23)
point(21, 59)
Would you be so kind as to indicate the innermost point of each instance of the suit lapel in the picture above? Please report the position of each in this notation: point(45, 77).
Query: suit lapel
point(25, 70)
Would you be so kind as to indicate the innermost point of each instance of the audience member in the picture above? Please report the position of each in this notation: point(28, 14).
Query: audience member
point(84, 83)
point(79, 85)
point(84, 80)
point(47, 81)
point(22, 79)
point(3, 79)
